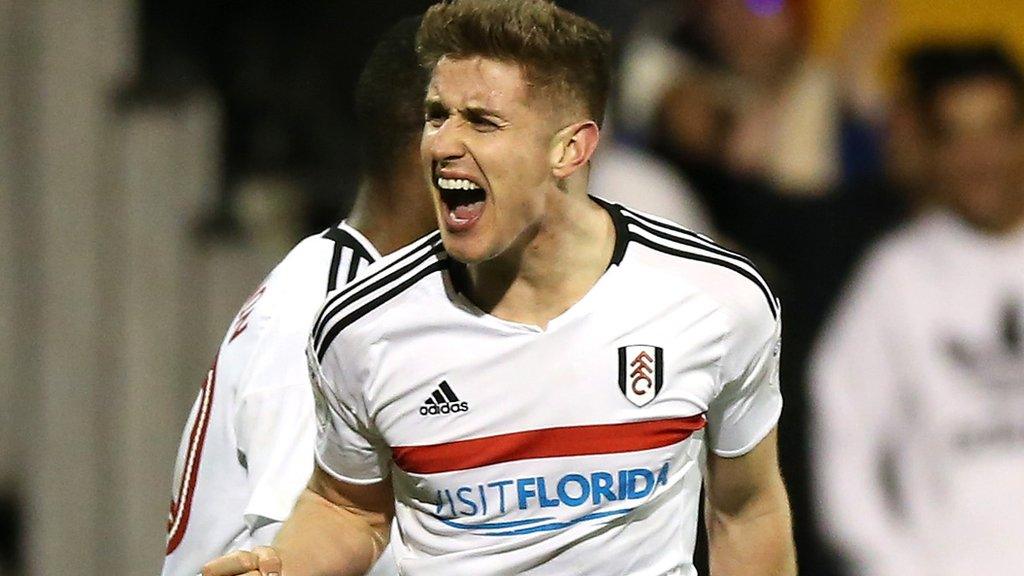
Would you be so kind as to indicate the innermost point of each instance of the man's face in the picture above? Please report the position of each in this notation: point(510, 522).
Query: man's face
point(486, 146)
point(979, 155)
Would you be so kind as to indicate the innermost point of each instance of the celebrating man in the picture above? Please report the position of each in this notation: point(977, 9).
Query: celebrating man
point(531, 389)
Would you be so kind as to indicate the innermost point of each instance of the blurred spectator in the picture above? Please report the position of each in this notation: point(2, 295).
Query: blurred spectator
point(728, 89)
point(645, 182)
point(802, 162)
point(806, 230)
point(918, 384)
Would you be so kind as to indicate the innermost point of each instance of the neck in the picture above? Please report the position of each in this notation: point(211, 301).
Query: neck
point(1014, 220)
point(392, 211)
point(1001, 227)
point(552, 267)
point(1004, 220)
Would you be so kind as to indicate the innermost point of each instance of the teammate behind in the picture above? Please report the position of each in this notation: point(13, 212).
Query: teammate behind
point(587, 354)
point(246, 452)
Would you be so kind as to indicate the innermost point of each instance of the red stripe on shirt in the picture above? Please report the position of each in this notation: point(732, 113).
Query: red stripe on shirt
point(182, 509)
point(545, 443)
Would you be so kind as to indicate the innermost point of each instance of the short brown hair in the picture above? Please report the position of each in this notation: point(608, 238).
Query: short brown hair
point(557, 50)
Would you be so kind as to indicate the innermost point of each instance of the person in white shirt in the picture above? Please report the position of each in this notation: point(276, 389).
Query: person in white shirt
point(247, 448)
point(627, 175)
point(918, 383)
point(541, 386)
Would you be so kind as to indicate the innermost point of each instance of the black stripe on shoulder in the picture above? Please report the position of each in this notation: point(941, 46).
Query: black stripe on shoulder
point(353, 267)
point(417, 254)
point(332, 272)
point(343, 239)
point(346, 239)
point(365, 309)
point(717, 261)
point(621, 232)
point(676, 233)
point(414, 250)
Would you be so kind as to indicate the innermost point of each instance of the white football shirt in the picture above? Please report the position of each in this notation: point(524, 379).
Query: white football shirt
point(246, 450)
point(918, 389)
point(576, 449)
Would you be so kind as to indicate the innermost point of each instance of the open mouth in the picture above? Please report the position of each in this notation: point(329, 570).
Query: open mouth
point(463, 200)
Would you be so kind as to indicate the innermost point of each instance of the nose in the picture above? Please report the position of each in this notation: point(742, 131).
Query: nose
point(445, 142)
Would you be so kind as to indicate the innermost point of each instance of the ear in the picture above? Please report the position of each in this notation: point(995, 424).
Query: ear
point(572, 147)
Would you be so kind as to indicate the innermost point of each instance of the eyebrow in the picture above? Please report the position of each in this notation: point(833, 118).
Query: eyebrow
point(434, 104)
point(481, 112)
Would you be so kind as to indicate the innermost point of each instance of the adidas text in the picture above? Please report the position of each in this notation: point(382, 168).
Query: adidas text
point(433, 409)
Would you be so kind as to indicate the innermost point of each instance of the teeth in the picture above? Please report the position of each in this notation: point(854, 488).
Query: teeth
point(456, 184)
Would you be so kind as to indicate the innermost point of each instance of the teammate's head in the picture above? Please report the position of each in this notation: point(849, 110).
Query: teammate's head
point(389, 100)
point(517, 91)
point(971, 101)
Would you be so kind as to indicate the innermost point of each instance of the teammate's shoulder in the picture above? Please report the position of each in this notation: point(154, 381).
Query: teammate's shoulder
point(672, 252)
point(349, 311)
point(311, 255)
point(313, 264)
point(287, 298)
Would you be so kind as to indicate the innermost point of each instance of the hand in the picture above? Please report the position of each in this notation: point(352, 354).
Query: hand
point(261, 561)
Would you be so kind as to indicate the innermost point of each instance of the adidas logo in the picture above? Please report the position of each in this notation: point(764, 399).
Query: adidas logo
point(443, 401)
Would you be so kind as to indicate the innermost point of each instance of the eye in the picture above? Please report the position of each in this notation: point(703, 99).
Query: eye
point(435, 120)
point(484, 125)
point(481, 123)
point(435, 116)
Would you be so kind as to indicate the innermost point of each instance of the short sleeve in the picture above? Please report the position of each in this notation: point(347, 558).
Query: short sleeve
point(275, 444)
point(347, 446)
point(273, 422)
point(749, 403)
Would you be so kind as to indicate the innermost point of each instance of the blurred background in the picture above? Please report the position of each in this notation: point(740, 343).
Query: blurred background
point(157, 158)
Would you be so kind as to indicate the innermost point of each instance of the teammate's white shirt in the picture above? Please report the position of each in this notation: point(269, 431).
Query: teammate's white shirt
point(246, 451)
point(576, 449)
point(918, 387)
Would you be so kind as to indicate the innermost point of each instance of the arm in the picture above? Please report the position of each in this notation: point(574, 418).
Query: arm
point(747, 511)
point(275, 432)
point(336, 529)
point(747, 515)
point(339, 524)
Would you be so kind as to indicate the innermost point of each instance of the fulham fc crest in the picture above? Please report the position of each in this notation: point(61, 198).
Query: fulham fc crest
point(640, 373)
